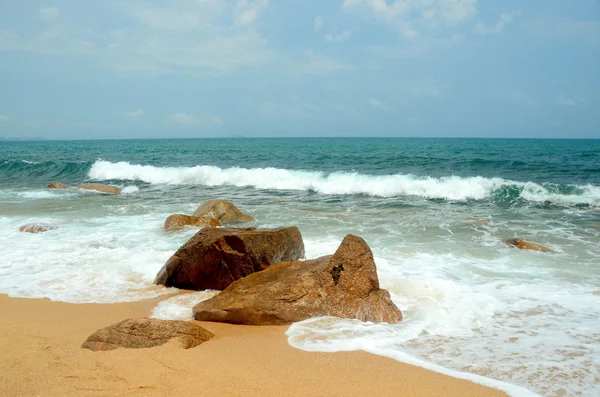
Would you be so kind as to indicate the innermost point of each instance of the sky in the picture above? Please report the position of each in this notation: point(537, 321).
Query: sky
point(72, 69)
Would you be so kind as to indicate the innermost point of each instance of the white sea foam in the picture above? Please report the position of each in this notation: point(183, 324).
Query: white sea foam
point(327, 334)
point(180, 307)
point(130, 189)
point(104, 259)
point(451, 188)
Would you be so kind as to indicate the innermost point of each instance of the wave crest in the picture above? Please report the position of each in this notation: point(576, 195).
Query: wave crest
point(452, 188)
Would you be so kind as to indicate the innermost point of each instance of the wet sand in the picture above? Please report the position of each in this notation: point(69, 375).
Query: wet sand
point(41, 356)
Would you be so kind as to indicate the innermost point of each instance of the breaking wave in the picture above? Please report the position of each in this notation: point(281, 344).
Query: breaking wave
point(451, 188)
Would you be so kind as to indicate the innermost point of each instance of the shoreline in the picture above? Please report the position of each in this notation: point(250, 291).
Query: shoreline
point(41, 342)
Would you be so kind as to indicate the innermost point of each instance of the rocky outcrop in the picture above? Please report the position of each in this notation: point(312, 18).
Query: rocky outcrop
point(179, 221)
point(100, 188)
point(139, 333)
point(524, 245)
point(214, 258)
point(57, 185)
point(223, 211)
point(36, 228)
point(343, 285)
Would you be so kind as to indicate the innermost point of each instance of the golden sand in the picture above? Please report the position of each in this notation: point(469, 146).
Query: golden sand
point(41, 356)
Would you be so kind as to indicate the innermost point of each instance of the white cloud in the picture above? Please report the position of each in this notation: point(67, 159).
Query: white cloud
point(136, 114)
point(521, 98)
point(566, 28)
point(338, 37)
point(216, 121)
point(246, 12)
point(376, 103)
point(184, 118)
point(565, 101)
point(417, 47)
point(294, 110)
point(49, 13)
point(315, 64)
point(504, 20)
point(4, 119)
point(402, 14)
point(192, 37)
point(318, 24)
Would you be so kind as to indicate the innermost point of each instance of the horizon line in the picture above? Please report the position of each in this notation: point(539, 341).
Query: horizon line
point(40, 139)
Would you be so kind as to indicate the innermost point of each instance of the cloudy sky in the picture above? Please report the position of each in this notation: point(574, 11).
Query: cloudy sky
point(204, 68)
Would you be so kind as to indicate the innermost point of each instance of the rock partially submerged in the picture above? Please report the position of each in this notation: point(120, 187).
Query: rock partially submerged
point(36, 228)
point(524, 245)
point(100, 188)
point(139, 333)
point(57, 185)
point(478, 221)
point(214, 258)
point(343, 285)
point(223, 211)
point(179, 221)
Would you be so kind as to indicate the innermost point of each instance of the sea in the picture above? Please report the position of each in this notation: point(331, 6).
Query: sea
point(434, 212)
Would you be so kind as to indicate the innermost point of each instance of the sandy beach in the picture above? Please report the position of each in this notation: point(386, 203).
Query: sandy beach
point(40, 341)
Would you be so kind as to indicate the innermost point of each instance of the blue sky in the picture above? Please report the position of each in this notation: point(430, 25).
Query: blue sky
point(209, 68)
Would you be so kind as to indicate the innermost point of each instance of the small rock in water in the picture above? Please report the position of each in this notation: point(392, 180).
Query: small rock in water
point(36, 228)
point(179, 221)
point(100, 188)
point(57, 185)
point(140, 333)
point(343, 285)
point(524, 245)
point(223, 211)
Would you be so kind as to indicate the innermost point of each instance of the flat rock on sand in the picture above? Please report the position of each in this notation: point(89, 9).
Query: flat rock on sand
point(100, 188)
point(139, 333)
point(223, 211)
point(179, 221)
point(36, 228)
point(343, 285)
point(214, 258)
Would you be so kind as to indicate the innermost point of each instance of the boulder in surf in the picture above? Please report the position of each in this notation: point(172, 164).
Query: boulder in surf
point(139, 333)
point(524, 245)
point(57, 185)
point(37, 228)
point(342, 285)
point(214, 258)
point(179, 221)
point(100, 188)
point(223, 211)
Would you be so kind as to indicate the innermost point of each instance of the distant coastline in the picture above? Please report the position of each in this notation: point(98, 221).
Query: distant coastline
point(14, 139)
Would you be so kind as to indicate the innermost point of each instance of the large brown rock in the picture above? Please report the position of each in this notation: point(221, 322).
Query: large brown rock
point(57, 185)
point(223, 211)
point(524, 245)
point(179, 221)
point(100, 188)
point(214, 258)
point(343, 285)
point(139, 333)
point(36, 228)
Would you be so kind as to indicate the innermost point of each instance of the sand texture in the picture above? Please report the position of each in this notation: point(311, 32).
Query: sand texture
point(41, 356)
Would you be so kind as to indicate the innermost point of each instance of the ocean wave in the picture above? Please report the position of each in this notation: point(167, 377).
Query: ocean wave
point(44, 171)
point(451, 188)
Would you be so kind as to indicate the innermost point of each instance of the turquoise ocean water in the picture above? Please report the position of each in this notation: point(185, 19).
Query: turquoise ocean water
point(434, 212)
